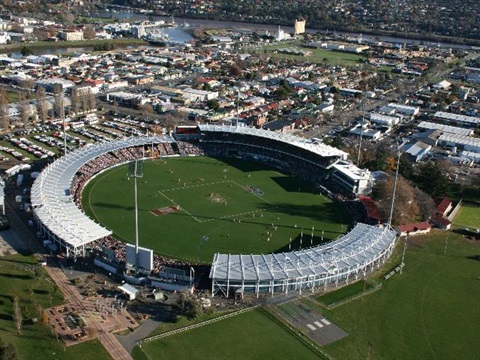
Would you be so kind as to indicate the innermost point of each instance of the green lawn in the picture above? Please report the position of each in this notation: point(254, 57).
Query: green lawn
point(431, 311)
point(468, 216)
point(214, 202)
point(34, 290)
point(344, 293)
point(318, 55)
point(252, 335)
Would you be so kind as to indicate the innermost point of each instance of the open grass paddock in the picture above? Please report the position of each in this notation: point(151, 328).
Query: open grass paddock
point(239, 206)
point(430, 311)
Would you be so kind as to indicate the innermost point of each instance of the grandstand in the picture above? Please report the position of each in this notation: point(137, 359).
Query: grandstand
point(346, 259)
point(55, 212)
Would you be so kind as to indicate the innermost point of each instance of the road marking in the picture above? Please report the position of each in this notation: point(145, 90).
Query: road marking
point(311, 327)
point(320, 325)
point(325, 321)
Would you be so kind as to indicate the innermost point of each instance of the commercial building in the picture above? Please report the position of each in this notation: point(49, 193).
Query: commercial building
point(425, 125)
point(463, 121)
point(460, 142)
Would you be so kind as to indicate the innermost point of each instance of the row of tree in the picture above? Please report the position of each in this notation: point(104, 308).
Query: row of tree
point(82, 100)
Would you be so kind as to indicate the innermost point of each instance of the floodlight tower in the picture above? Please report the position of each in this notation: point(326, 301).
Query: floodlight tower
point(361, 134)
point(135, 171)
point(62, 104)
point(395, 184)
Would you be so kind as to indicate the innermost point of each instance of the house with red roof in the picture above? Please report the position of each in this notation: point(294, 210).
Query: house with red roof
point(414, 229)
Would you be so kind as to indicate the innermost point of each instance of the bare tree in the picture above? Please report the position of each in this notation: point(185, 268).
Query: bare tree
point(406, 208)
point(17, 315)
point(24, 109)
point(91, 104)
point(4, 115)
point(89, 32)
point(58, 95)
point(75, 99)
point(42, 109)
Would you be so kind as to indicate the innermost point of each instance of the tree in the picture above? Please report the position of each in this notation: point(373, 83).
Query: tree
point(41, 101)
point(189, 306)
point(426, 204)
point(213, 104)
point(7, 351)
point(405, 209)
point(433, 179)
point(24, 109)
point(91, 103)
point(89, 33)
point(17, 315)
point(26, 51)
point(58, 95)
point(4, 115)
point(235, 70)
point(75, 100)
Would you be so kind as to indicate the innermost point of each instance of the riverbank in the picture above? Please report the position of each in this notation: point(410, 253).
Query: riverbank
point(93, 44)
point(373, 34)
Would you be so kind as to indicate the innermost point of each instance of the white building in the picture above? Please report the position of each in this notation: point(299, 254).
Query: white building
point(202, 95)
point(71, 35)
point(352, 178)
point(4, 38)
point(405, 109)
point(425, 125)
point(384, 120)
point(461, 142)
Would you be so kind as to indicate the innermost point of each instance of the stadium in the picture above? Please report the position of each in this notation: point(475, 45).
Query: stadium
point(57, 193)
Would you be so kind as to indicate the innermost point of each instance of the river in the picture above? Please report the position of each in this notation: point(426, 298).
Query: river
point(271, 28)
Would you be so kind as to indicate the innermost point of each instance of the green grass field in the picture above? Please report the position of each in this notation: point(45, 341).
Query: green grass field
point(33, 290)
point(252, 335)
point(317, 55)
point(344, 293)
point(468, 216)
point(234, 203)
point(431, 311)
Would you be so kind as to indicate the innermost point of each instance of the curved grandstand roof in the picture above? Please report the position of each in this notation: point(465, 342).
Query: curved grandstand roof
point(51, 200)
point(317, 148)
point(360, 246)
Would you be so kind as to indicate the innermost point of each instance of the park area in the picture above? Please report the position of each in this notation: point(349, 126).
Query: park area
point(21, 277)
point(193, 207)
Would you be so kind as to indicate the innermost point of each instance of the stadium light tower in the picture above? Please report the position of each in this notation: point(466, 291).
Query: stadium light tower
point(399, 152)
point(135, 171)
point(62, 104)
point(359, 153)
